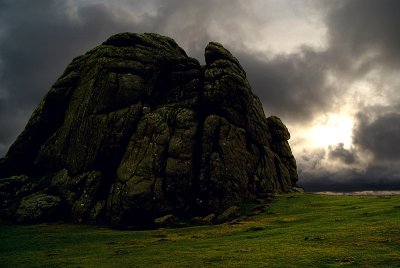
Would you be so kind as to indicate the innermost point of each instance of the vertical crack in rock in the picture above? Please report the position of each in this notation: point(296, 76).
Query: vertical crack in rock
point(135, 130)
point(199, 198)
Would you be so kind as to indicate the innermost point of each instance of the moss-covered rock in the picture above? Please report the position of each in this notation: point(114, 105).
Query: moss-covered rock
point(37, 207)
point(135, 129)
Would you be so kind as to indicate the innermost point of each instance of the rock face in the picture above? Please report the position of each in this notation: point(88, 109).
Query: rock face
point(135, 130)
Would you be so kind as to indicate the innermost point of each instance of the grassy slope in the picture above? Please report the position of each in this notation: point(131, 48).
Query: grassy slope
point(302, 230)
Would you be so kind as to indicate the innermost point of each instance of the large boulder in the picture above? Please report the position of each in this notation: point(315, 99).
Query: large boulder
point(135, 130)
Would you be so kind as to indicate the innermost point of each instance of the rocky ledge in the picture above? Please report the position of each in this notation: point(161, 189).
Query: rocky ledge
point(135, 132)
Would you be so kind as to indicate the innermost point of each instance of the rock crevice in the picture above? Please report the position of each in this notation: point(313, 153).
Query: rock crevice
point(135, 130)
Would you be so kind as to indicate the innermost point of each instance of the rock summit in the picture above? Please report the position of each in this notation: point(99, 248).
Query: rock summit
point(135, 130)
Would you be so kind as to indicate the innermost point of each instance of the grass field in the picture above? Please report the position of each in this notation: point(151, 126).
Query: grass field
point(301, 230)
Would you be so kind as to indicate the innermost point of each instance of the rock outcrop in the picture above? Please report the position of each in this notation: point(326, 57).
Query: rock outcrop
point(135, 130)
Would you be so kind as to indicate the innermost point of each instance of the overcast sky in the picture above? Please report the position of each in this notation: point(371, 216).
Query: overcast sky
point(329, 69)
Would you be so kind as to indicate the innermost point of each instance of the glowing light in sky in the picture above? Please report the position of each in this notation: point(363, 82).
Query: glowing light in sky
point(331, 130)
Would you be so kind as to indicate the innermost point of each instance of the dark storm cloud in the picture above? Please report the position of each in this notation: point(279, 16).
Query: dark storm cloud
point(353, 181)
point(292, 86)
point(380, 136)
point(312, 159)
point(40, 39)
point(338, 152)
point(318, 176)
point(366, 30)
point(376, 176)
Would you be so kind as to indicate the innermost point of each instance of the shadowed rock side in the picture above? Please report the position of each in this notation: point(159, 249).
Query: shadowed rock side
point(135, 130)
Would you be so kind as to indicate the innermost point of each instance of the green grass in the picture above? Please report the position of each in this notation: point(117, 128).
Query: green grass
point(301, 230)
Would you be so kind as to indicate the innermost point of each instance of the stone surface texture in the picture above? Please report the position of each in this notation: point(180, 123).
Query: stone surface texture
point(135, 130)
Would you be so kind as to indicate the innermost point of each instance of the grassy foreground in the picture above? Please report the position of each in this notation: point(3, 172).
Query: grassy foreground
point(301, 230)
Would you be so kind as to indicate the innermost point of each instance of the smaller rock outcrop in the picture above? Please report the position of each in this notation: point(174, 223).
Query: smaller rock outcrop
point(229, 214)
point(164, 221)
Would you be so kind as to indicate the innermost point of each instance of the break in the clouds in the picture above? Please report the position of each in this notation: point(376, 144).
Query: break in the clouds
point(363, 51)
point(309, 61)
